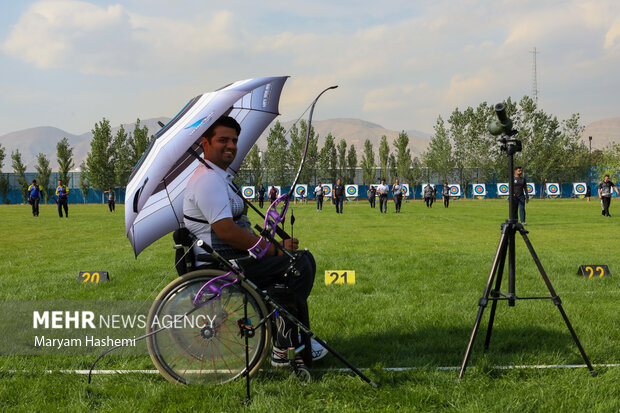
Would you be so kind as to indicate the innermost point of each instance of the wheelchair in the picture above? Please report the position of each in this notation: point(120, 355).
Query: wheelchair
point(205, 343)
point(197, 337)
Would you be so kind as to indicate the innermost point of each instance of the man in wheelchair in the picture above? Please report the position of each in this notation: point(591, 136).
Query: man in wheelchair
point(216, 214)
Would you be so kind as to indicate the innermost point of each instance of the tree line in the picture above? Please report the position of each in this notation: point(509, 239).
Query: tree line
point(336, 159)
point(108, 164)
point(461, 150)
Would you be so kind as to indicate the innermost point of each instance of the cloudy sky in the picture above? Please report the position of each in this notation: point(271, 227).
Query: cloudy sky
point(399, 63)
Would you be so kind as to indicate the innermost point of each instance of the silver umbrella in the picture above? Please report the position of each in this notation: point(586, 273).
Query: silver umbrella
point(154, 196)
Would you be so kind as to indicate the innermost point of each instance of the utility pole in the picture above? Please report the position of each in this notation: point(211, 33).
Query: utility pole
point(534, 77)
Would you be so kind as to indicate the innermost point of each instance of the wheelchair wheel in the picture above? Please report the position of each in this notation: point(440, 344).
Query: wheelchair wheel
point(203, 344)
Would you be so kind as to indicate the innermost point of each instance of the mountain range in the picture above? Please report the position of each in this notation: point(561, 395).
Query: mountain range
point(43, 139)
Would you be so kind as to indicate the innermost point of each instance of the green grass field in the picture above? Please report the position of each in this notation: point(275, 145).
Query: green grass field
point(419, 276)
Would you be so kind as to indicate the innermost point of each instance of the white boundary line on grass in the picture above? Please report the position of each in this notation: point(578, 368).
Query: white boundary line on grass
point(396, 369)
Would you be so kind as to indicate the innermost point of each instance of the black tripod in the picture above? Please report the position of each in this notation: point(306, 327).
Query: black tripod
point(507, 245)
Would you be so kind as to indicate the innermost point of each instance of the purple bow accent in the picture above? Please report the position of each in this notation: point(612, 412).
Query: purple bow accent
point(214, 286)
point(272, 219)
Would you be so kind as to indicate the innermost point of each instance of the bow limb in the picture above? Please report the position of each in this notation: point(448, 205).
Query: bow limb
point(273, 217)
point(308, 131)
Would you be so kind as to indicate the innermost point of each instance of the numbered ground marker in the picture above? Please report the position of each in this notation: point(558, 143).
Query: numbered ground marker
point(93, 277)
point(594, 271)
point(339, 277)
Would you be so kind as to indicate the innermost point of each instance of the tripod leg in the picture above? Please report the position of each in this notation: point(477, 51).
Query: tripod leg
point(495, 294)
point(556, 300)
point(501, 252)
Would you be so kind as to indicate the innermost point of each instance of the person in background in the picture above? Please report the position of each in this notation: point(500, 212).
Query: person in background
point(605, 190)
point(261, 195)
point(111, 199)
point(445, 193)
point(427, 193)
point(62, 192)
point(519, 194)
point(34, 196)
point(339, 196)
point(318, 195)
point(383, 191)
point(372, 194)
point(397, 191)
point(273, 194)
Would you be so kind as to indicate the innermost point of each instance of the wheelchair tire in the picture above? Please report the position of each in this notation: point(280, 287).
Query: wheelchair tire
point(203, 345)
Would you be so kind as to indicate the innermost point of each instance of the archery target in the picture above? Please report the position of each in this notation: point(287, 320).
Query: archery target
point(502, 189)
point(455, 190)
point(327, 190)
point(405, 190)
point(531, 189)
point(351, 191)
point(553, 190)
point(580, 188)
point(248, 192)
point(301, 191)
point(479, 189)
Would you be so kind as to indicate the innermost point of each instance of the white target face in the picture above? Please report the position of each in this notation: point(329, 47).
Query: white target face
point(248, 192)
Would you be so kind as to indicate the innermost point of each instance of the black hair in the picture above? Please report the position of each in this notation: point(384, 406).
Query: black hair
point(226, 121)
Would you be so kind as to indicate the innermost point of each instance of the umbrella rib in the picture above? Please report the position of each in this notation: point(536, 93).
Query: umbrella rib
point(256, 110)
point(170, 201)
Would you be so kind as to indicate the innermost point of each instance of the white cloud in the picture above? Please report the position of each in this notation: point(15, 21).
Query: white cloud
point(76, 35)
point(398, 63)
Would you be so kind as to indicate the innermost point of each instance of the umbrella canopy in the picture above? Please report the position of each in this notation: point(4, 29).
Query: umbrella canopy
point(154, 196)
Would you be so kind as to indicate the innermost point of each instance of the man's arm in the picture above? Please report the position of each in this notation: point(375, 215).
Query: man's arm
point(239, 238)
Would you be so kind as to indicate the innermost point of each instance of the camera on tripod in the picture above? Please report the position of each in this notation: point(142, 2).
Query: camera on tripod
point(503, 125)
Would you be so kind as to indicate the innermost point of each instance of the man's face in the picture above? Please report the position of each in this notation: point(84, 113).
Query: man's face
point(59, 183)
point(221, 149)
point(518, 172)
point(606, 179)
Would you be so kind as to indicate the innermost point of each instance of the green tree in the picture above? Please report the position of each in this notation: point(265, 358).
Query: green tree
point(251, 170)
point(403, 157)
point(43, 175)
point(328, 160)
point(392, 168)
point(84, 184)
point(19, 169)
point(122, 157)
point(276, 155)
point(312, 157)
point(64, 155)
point(415, 175)
point(438, 156)
point(384, 157)
point(342, 160)
point(368, 164)
point(139, 142)
point(610, 162)
point(576, 152)
point(4, 181)
point(351, 165)
point(99, 162)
